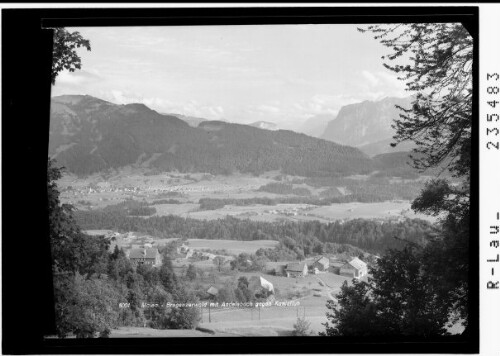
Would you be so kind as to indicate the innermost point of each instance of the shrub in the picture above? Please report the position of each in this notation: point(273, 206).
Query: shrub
point(301, 328)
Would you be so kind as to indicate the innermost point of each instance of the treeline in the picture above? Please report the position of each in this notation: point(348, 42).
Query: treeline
point(165, 201)
point(131, 207)
point(284, 188)
point(373, 188)
point(305, 246)
point(327, 197)
point(372, 236)
point(395, 164)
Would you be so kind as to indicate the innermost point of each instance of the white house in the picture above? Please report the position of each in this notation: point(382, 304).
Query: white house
point(256, 283)
point(355, 268)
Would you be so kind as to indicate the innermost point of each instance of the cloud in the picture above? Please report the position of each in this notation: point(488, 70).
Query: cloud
point(194, 108)
point(129, 97)
point(288, 113)
point(326, 104)
point(121, 97)
point(379, 84)
point(372, 79)
point(268, 109)
point(79, 77)
point(189, 108)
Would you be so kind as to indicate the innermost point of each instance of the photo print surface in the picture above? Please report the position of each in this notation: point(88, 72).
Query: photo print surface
point(261, 180)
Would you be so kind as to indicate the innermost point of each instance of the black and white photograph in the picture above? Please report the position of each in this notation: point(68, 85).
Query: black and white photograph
point(310, 179)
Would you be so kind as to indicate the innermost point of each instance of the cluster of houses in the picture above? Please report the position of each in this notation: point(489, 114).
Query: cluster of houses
point(258, 285)
point(188, 252)
point(149, 255)
point(101, 187)
point(288, 211)
point(355, 268)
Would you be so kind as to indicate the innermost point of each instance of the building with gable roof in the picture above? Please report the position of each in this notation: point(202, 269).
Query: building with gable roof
point(256, 283)
point(321, 264)
point(355, 268)
point(212, 291)
point(145, 255)
point(297, 269)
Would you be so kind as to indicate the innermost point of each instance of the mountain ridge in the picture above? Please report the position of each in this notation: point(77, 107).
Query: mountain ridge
point(88, 135)
point(366, 123)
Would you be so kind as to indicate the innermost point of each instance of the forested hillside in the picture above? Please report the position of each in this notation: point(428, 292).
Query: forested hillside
point(88, 135)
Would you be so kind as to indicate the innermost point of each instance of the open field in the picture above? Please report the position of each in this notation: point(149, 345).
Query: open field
point(101, 190)
point(271, 321)
point(387, 209)
point(278, 320)
point(133, 331)
point(232, 246)
point(183, 210)
point(248, 321)
point(308, 282)
point(303, 212)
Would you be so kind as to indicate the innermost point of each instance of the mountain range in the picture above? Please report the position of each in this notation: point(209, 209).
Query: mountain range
point(89, 135)
point(367, 125)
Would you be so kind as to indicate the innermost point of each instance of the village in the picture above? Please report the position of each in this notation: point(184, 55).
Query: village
point(181, 194)
point(354, 268)
point(280, 292)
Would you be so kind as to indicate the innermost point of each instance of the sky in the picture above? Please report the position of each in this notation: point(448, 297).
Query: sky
point(283, 74)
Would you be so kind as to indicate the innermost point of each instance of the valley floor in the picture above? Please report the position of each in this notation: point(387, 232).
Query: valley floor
point(99, 191)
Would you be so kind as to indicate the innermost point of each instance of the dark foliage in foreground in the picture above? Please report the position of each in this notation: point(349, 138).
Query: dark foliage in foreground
point(399, 299)
point(64, 52)
point(90, 282)
point(418, 290)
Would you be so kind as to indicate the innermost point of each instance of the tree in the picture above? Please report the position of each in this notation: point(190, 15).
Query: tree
point(242, 293)
point(399, 300)
point(301, 328)
point(353, 314)
point(182, 317)
point(219, 261)
point(119, 265)
point(156, 314)
point(62, 228)
point(64, 54)
point(243, 282)
point(405, 295)
point(438, 69)
point(85, 307)
point(242, 262)
point(226, 294)
point(71, 250)
point(191, 272)
point(167, 276)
